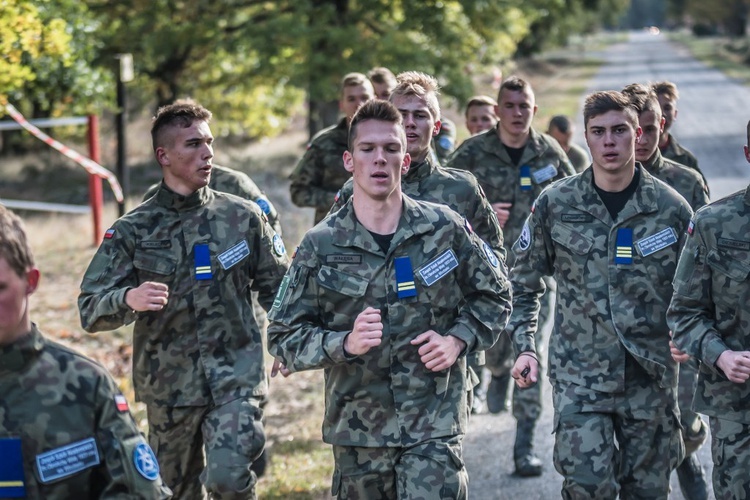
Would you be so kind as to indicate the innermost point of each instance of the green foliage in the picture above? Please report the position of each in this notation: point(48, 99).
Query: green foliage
point(26, 38)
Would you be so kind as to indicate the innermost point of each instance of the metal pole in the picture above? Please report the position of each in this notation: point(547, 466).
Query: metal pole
point(96, 199)
point(122, 170)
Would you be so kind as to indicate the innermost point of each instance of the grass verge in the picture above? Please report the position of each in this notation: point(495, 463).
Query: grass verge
point(729, 55)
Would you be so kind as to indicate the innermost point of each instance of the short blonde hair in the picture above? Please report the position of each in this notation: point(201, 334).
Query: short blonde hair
point(421, 85)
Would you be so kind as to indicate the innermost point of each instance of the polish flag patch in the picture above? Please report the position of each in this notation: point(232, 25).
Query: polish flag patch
point(109, 234)
point(121, 403)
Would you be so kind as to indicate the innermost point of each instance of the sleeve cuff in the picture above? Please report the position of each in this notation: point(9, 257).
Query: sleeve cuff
point(464, 333)
point(334, 347)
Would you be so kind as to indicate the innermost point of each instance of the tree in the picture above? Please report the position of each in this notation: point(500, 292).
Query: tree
point(25, 38)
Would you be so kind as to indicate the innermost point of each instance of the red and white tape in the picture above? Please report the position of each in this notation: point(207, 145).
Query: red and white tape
point(90, 165)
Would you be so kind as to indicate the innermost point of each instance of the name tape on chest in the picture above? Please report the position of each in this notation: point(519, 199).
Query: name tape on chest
point(545, 174)
point(236, 253)
point(67, 460)
point(733, 244)
point(652, 244)
point(155, 244)
point(11, 469)
point(576, 218)
point(343, 258)
point(438, 267)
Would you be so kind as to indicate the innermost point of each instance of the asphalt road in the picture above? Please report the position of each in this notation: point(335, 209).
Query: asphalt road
point(713, 113)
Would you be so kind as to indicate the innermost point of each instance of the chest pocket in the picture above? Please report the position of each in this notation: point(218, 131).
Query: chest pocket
point(154, 266)
point(730, 276)
point(572, 251)
point(342, 282)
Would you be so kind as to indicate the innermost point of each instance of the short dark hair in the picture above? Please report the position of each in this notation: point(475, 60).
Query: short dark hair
point(643, 98)
point(374, 110)
point(14, 246)
point(599, 103)
point(381, 75)
point(561, 123)
point(748, 133)
point(181, 113)
point(355, 80)
point(479, 100)
point(514, 83)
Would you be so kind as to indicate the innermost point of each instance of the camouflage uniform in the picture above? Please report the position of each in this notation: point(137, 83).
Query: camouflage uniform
point(485, 156)
point(320, 173)
point(609, 361)
point(228, 180)
point(709, 314)
point(444, 142)
point(578, 157)
point(460, 191)
point(685, 181)
point(675, 152)
point(65, 429)
point(386, 403)
point(201, 355)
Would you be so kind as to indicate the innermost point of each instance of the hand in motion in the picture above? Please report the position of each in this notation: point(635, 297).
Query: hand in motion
point(149, 296)
point(438, 352)
point(677, 355)
point(366, 334)
point(502, 210)
point(735, 365)
point(278, 367)
point(526, 370)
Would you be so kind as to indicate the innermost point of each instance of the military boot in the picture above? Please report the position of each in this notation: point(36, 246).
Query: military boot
point(497, 393)
point(527, 464)
point(692, 479)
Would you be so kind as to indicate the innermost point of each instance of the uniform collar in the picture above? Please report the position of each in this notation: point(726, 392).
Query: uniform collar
point(348, 232)
point(535, 144)
point(585, 197)
point(418, 171)
point(656, 164)
point(747, 196)
point(169, 199)
point(16, 356)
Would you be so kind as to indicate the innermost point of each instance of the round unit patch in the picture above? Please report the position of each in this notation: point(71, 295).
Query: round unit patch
point(145, 462)
point(264, 205)
point(278, 245)
point(524, 241)
point(445, 143)
point(490, 254)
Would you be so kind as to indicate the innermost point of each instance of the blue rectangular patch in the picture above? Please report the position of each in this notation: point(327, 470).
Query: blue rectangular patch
point(11, 469)
point(438, 267)
point(652, 244)
point(235, 254)
point(525, 178)
point(545, 174)
point(405, 286)
point(624, 250)
point(67, 460)
point(202, 262)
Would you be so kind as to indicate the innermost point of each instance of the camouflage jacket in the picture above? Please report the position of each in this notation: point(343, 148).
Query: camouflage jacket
point(543, 162)
point(457, 189)
point(444, 142)
point(709, 312)
point(684, 180)
point(65, 429)
point(320, 172)
point(578, 157)
point(211, 249)
point(228, 180)
point(675, 152)
point(386, 397)
point(613, 280)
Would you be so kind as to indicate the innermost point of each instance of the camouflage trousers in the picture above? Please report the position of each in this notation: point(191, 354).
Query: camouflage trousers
point(730, 448)
point(694, 428)
point(431, 470)
point(527, 403)
point(623, 443)
point(206, 451)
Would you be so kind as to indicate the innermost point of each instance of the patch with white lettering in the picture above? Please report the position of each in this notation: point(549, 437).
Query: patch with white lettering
point(281, 293)
point(652, 244)
point(145, 462)
point(733, 244)
point(524, 241)
point(67, 460)
point(343, 258)
point(491, 257)
point(576, 218)
point(438, 267)
point(544, 174)
point(154, 244)
point(235, 254)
